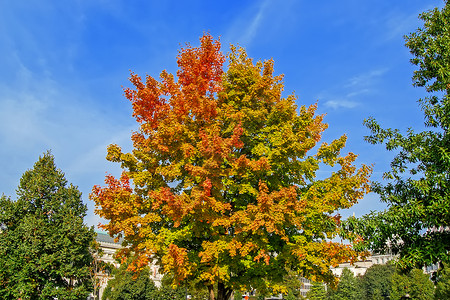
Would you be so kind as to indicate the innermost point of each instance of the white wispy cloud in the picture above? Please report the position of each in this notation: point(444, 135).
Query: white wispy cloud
point(252, 29)
point(350, 94)
point(399, 24)
point(47, 101)
point(246, 26)
point(364, 79)
point(39, 114)
point(336, 104)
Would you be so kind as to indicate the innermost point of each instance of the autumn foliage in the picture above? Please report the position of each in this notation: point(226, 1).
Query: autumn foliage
point(221, 185)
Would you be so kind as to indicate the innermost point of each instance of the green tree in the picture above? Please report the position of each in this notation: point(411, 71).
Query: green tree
point(422, 288)
point(44, 244)
point(415, 224)
point(197, 292)
point(128, 285)
point(378, 295)
point(167, 291)
point(399, 286)
point(317, 292)
point(376, 282)
point(442, 291)
point(195, 289)
point(237, 295)
point(221, 184)
point(415, 283)
point(347, 288)
point(293, 284)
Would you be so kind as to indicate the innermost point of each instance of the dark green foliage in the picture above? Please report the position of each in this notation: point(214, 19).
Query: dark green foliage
point(442, 291)
point(237, 295)
point(290, 296)
point(399, 286)
point(378, 295)
point(127, 285)
point(195, 290)
point(422, 288)
point(197, 293)
point(293, 283)
point(44, 244)
point(348, 287)
point(167, 292)
point(376, 282)
point(416, 284)
point(415, 225)
point(317, 292)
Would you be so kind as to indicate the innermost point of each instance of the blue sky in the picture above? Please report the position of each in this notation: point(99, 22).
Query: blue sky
point(63, 65)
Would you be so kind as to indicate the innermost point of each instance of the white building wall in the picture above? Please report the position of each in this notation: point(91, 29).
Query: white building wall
point(359, 268)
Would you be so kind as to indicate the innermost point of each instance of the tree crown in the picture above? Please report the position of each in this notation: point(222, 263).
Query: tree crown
point(221, 185)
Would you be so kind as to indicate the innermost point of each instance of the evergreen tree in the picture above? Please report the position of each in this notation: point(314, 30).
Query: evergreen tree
point(44, 244)
point(443, 284)
point(127, 285)
point(422, 287)
point(237, 295)
point(293, 283)
point(378, 295)
point(399, 286)
point(169, 292)
point(347, 288)
point(317, 292)
point(415, 283)
point(376, 282)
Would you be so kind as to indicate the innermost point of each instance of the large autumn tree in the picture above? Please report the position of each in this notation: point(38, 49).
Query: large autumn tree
point(221, 185)
point(416, 223)
point(44, 244)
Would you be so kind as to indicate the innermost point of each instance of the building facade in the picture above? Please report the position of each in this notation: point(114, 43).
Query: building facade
point(359, 268)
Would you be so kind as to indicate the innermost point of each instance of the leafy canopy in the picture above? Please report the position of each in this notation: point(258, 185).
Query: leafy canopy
point(317, 291)
point(221, 185)
point(376, 282)
point(416, 223)
point(44, 244)
point(442, 291)
point(126, 286)
point(348, 287)
point(415, 283)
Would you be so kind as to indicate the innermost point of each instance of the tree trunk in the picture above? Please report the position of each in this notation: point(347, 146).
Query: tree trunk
point(223, 293)
point(211, 292)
